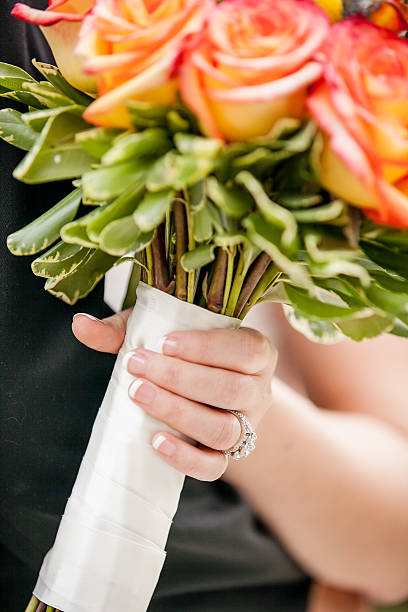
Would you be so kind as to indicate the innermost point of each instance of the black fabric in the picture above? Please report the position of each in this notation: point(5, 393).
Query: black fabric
point(219, 558)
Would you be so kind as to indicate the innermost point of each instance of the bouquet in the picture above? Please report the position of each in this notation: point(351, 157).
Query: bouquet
point(235, 153)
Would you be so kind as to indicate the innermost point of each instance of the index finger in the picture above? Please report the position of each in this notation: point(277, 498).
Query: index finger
point(242, 350)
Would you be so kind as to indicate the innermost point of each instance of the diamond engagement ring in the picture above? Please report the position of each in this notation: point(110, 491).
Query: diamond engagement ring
point(246, 443)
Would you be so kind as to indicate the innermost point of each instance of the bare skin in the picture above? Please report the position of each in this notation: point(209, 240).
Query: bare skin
point(338, 475)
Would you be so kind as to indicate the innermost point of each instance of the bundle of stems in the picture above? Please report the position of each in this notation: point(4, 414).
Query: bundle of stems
point(229, 285)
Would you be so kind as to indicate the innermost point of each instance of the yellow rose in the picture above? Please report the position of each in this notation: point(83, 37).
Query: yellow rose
point(361, 106)
point(60, 24)
point(252, 65)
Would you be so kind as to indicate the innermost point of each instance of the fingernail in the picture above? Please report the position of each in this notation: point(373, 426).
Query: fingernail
point(142, 392)
point(169, 346)
point(88, 316)
point(164, 446)
point(135, 363)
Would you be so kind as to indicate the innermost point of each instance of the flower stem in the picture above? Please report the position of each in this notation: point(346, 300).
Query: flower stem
point(32, 604)
point(180, 224)
point(191, 276)
point(240, 273)
point(149, 265)
point(228, 279)
point(215, 297)
point(263, 285)
point(160, 270)
point(256, 272)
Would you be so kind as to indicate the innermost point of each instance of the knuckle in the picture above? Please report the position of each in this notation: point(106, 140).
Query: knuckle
point(256, 349)
point(230, 389)
point(216, 470)
point(227, 434)
point(169, 376)
point(171, 409)
point(202, 346)
point(192, 467)
point(248, 392)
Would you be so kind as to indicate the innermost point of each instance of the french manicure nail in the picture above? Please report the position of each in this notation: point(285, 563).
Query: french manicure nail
point(142, 392)
point(135, 363)
point(169, 346)
point(164, 446)
point(88, 316)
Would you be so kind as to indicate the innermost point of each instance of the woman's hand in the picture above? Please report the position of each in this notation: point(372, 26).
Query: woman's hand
point(199, 376)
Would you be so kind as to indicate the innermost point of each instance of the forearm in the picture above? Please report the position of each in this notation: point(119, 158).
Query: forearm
point(334, 487)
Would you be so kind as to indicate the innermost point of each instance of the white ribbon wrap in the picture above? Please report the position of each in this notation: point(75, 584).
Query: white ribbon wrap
point(109, 549)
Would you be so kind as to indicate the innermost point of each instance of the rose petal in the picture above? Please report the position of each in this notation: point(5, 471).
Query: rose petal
point(191, 92)
point(269, 91)
point(45, 18)
point(340, 140)
point(155, 76)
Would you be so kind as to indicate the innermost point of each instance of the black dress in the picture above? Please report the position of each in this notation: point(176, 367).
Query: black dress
point(220, 559)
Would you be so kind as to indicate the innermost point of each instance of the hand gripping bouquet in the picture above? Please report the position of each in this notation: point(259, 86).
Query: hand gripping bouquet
point(237, 152)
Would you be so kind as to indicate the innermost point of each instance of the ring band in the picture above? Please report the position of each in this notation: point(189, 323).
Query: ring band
point(246, 443)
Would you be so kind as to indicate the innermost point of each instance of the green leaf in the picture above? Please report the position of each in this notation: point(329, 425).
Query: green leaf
point(144, 114)
point(197, 196)
point(55, 155)
point(316, 330)
point(197, 145)
point(324, 248)
point(315, 308)
point(14, 131)
point(75, 233)
point(45, 92)
point(202, 224)
point(229, 240)
point(84, 278)
point(54, 76)
point(178, 171)
point(291, 200)
point(391, 260)
point(363, 328)
point(12, 77)
point(25, 98)
point(96, 141)
point(60, 261)
point(341, 266)
point(320, 214)
point(198, 258)
point(152, 210)
point(388, 301)
point(122, 236)
point(134, 280)
point(261, 159)
point(400, 329)
point(40, 233)
point(109, 181)
point(233, 201)
point(36, 120)
point(390, 283)
point(123, 206)
point(177, 123)
point(268, 238)
point(148, 142)
point(272, 212)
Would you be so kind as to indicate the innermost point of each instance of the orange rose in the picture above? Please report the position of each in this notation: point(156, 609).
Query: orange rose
point(133, 47)
point(361, 106)
point(252, 65)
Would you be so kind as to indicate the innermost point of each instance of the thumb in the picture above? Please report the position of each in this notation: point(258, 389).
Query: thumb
point(105, 335)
